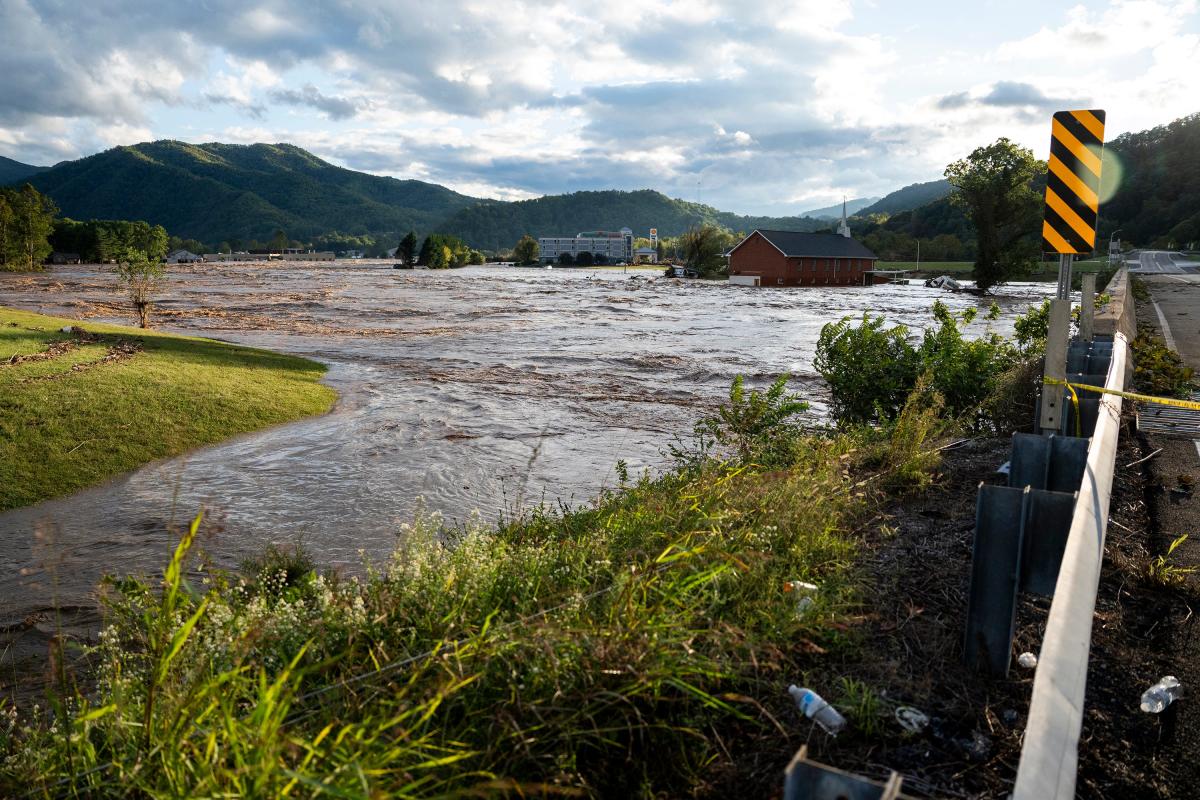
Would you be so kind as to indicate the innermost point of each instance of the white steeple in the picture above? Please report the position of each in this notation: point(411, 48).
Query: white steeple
point(844, 227)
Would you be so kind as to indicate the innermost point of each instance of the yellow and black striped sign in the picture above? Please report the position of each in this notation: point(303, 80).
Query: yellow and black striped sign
point(1073, 182)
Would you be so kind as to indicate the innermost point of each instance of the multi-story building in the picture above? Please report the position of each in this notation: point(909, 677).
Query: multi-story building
point(611, 246)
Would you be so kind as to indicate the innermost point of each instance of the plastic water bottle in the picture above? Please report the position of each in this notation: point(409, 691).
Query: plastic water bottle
point(1161, 695)
point(816, 709)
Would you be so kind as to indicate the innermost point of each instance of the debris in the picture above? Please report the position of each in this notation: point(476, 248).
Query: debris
point(944, 282)
point(978, 748)
point(1010, 717)
point(911, 719)
point(1161, 694)
point(816, 709)
point(804, 592)
point(1027, 660)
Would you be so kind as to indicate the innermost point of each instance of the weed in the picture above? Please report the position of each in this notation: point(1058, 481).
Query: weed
point(1157, 369)
point(1160, 571)
point(286, 566)
point(862, 707)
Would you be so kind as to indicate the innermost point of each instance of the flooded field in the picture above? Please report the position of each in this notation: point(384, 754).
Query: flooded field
point(477, 389)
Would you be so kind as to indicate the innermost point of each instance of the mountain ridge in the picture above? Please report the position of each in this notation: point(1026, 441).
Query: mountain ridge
point(12, 171)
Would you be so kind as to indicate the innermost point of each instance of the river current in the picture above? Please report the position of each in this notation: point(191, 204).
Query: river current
point(486, 388)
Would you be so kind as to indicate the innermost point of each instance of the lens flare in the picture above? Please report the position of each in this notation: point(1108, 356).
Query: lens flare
point(1111, 173)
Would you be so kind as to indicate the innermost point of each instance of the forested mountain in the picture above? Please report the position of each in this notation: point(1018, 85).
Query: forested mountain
point(498, 225)
point(835, 211)
point(912, 196)
point(226, 193)
point(14, 171)
point(1158, 200)
point(215, 192)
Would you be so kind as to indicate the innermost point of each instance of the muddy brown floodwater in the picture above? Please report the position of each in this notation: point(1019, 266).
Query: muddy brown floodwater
point(483, 388)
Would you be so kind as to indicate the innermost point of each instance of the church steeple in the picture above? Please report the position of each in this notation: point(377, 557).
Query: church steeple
point(844, 226)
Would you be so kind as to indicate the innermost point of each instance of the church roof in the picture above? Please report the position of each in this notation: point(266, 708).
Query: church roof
point(813, 245)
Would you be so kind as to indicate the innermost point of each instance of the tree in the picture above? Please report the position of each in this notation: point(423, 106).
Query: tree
point(477, 258)
point(585, 259)
point(279, 240)
point(566, 259)
point(407, 250)
point(704, 249)
point(426, 251)
point(6, 229)
point(526, 251)
point(141, 277)
point(28, 234)
point(993, 185)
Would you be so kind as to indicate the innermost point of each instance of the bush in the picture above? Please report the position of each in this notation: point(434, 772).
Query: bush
point(756, 427)
point(1157, 369)
point(870, 370)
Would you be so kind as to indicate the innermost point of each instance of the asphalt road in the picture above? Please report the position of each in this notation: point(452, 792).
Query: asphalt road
point(1150, 262)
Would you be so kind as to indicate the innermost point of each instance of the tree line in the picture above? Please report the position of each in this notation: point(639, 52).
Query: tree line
point(106, 240)
point(437, 251)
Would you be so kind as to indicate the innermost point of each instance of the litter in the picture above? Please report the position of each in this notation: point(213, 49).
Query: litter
point(1027, 660)
point(911, 719)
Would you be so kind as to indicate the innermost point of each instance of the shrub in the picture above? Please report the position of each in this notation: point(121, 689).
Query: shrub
point(757, 426)
point(870, 370)
point(1157, 369)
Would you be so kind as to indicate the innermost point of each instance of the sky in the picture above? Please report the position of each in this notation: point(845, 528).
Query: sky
point(757, 108)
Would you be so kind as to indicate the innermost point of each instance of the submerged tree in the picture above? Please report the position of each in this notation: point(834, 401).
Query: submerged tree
point(704, 248)
point(526, 251)
point(993, 185)
point(141, 277)
point(407, 251)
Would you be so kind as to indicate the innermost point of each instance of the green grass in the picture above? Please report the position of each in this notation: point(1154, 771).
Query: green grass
point(940, 267)
point(629, 648)
point(62, 430)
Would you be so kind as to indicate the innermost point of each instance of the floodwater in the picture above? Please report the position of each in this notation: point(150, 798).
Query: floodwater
point(483, 388)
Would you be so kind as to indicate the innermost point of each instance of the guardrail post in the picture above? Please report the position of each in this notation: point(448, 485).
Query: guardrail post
point(1056, 365)
point(1087, 309)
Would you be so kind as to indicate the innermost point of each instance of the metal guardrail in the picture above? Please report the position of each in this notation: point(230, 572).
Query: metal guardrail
point(1050, 753)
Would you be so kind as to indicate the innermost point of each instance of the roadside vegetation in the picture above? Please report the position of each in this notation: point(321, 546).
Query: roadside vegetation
point(80, 406)
point(631, 647)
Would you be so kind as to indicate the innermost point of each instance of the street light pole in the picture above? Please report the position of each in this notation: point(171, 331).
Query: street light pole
point(1110, 245)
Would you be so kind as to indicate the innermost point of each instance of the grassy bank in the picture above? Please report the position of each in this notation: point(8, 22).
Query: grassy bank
point(79, 407)
point(636, 647)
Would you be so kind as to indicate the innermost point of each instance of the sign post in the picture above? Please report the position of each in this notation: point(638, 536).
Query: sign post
point(1068, 228)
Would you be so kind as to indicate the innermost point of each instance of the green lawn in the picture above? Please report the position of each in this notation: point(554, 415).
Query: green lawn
point(75, 418)
point(944, 267)
point(939, 267)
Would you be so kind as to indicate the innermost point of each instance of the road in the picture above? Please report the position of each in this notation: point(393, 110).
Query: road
point(1149, 262)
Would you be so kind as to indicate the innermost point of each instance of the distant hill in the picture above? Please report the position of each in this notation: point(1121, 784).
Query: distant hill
point(834, 212)
point(910, 197)
point(14, 171)
point(1158, 201)
point(498, 225)
point(215, 192)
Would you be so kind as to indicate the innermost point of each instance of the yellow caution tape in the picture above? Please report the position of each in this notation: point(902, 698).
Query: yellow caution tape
point(1145, 398)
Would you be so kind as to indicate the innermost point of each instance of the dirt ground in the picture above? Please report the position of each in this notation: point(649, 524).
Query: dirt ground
point(912, 652)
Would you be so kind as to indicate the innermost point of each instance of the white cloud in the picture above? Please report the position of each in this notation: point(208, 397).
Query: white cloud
point(768, 109)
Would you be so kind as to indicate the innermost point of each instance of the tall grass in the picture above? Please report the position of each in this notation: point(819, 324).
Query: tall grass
point(613, 650)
